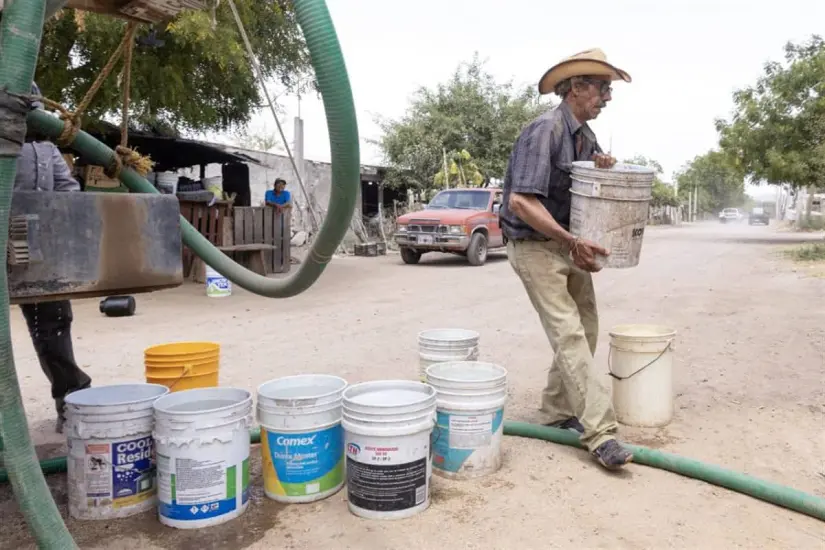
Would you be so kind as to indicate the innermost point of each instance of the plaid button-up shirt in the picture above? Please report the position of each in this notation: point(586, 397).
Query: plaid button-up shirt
point(540, 165)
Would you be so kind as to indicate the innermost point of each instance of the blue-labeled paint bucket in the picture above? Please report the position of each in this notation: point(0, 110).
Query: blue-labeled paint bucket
point(111, 463)
point(302, 441)
point(202, 444)
point(217, 286)
point(469, 418)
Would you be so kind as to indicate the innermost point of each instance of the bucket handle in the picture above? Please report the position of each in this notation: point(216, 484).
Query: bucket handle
point(617, 377)
point(187, 368)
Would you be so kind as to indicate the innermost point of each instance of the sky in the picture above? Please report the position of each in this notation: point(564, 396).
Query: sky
point(686, 58)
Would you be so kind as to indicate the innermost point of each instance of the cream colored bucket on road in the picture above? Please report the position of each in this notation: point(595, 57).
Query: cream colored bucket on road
point(641, 365)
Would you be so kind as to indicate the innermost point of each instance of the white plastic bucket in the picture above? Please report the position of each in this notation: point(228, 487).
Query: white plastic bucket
point(202, 445)
point(167, 182)
point(387, 426)
point(111, 466)
point(470, 418)
point(641, 365)
point(444, 345)
point(302, 440)
point(214, 184)
point(217, 286)
point(610, 207)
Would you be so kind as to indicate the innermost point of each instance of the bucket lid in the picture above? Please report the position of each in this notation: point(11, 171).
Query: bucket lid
point(448, 335)
point(117, 394)
point(292, 390)
point(642, 332)
point(467, 373)
point(388, 395)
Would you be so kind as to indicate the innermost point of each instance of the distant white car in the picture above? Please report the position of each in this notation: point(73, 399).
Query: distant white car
point(729, 215)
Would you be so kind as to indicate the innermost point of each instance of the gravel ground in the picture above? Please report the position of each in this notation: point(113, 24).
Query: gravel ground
point(749, 377)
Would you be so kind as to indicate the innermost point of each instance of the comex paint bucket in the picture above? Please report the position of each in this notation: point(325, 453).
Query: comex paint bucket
point(202, 442)
point(387, 426)
point(111, 466)
point(469, 420)
point(302, 441)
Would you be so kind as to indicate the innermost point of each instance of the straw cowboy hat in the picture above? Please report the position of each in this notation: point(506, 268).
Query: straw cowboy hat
point(587, 63)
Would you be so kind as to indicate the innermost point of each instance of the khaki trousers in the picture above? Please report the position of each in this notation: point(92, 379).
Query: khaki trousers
point(565, 301)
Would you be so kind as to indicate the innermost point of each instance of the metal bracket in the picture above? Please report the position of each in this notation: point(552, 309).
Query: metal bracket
point(24, 242)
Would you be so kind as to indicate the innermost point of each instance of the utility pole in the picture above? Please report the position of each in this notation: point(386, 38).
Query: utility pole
point(695, 203)
point(690, 206)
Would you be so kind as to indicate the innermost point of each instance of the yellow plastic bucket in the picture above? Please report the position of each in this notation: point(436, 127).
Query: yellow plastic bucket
point(184, 365)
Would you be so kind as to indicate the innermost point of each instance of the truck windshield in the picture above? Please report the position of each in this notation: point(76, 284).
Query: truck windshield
point(461, 200)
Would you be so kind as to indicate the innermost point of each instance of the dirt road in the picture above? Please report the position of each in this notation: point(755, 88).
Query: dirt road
point(750, 385)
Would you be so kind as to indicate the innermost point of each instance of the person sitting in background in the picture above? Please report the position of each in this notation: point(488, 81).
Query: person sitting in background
point(41, 167)
point(278, 196)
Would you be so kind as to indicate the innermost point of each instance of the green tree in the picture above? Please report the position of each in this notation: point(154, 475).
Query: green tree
point(189, 74)
point(663, 193)
point(462, 171)
point(470, 112)
point(777, 132)
point(721, 183)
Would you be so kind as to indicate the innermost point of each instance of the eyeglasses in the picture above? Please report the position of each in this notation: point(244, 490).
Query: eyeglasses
point(603, 85)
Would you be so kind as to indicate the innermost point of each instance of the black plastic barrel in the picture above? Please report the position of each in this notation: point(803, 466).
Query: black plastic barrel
point(118, 306)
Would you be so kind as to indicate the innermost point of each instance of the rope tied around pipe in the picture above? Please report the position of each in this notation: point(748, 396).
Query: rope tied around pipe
point(124, 156)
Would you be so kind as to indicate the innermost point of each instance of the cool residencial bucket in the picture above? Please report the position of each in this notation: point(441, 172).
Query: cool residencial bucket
point(202, 443)
point(387, 426)
point(470, 418)
point(444, 345)
point(184, 365)
point(641, 365)
point(111, 467)
point(610, 207)
point(302, 440)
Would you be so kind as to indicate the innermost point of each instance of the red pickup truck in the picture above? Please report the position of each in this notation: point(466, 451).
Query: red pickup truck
point(458, 221)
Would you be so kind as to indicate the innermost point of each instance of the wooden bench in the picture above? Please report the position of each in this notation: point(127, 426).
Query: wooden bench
point(252, 255)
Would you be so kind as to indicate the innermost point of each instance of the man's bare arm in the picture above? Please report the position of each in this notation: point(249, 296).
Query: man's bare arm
point(530, 210)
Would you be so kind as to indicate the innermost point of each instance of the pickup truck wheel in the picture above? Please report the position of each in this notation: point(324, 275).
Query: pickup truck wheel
point(410, 255)
point(477, 251)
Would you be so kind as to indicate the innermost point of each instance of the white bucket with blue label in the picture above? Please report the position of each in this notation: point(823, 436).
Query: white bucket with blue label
point(469, 419)
point(111, 466)
point(217, 286)
point(302, 441)
point(202, 445)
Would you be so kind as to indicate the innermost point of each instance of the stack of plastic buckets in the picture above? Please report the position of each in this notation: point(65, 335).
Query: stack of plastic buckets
point(184, 365)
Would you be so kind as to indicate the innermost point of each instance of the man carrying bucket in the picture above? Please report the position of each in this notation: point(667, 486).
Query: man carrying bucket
point(555, 266)
point(40, 167)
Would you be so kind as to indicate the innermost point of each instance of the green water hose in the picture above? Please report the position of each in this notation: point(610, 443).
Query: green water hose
point(786, 497)
point(773, 493)
point(20, 33)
